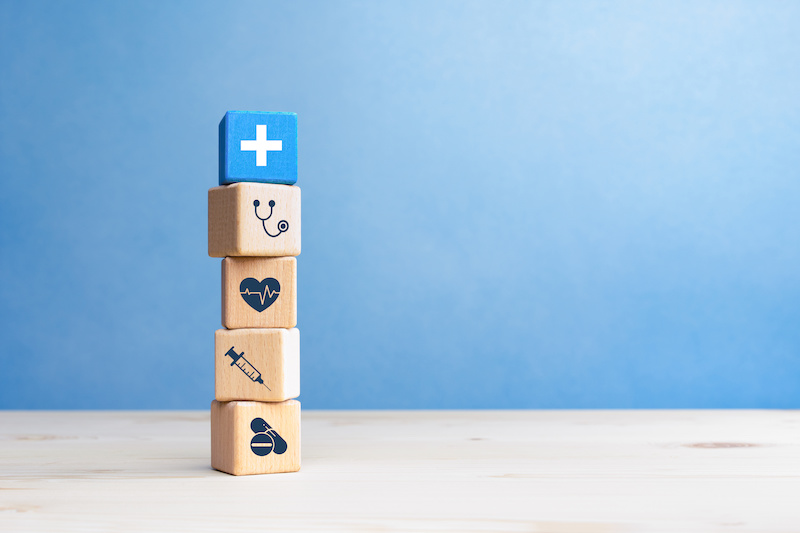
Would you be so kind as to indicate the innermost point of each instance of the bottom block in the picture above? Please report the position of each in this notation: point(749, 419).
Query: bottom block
point(255, 437)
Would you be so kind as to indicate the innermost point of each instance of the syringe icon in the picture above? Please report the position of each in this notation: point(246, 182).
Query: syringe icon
point(245, 366)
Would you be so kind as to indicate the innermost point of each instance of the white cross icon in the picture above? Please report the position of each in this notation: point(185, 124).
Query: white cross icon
point(261, 145)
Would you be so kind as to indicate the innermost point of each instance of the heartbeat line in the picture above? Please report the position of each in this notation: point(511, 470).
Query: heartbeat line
point(263, 295)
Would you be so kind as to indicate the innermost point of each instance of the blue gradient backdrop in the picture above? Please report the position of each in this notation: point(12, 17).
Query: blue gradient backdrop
point(506, 204)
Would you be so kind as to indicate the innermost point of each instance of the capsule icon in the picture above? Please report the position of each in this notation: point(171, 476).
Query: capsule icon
point(266, 439)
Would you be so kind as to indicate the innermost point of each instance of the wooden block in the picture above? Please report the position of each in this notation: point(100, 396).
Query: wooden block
point(255, 437)
point(258, 146)
point(254, 219)
point(257, 364)
point(259, 292)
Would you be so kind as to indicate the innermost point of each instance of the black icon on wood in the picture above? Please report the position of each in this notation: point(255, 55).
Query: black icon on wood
point(245, 366)
point(266, 439)
point(282, 225)
point(260, 294)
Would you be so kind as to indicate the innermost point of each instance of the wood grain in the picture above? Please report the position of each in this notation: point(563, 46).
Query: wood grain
point(236, 313)
point(235, 230)
point(456, 471)
point(273, 352)
point(232, 438)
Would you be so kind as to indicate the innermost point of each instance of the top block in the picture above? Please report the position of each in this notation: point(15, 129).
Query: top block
point(258, 146)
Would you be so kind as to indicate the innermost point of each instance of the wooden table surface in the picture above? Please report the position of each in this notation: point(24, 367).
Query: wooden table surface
point(533, 471)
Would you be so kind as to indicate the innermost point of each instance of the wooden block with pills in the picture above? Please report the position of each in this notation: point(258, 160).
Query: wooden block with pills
point(255, 437)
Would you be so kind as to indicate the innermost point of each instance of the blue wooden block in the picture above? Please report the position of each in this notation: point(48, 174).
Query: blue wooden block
point(258, 146)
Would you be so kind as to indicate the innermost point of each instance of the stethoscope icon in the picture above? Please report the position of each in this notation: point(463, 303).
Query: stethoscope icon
point(282, 225)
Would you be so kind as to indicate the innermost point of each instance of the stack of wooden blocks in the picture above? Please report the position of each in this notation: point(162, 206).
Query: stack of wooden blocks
point(254, 224)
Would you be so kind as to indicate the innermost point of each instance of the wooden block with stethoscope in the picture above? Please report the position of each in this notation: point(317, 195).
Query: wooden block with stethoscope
point(254, 220)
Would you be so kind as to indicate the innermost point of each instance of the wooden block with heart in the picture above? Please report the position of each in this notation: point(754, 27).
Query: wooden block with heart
point(259, 292)
point(255, 437)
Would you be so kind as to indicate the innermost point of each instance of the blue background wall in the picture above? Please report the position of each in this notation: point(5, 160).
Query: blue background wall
point(506, 205)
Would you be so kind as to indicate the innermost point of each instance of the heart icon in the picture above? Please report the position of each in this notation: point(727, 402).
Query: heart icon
point(260, 294)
